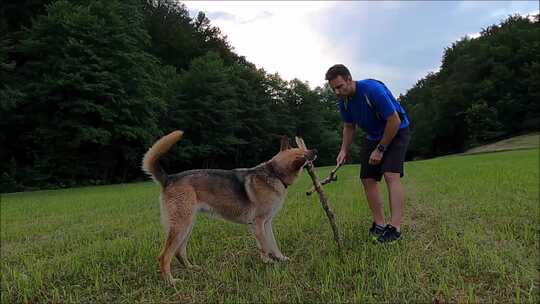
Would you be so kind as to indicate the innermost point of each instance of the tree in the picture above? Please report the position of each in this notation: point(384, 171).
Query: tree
point(92, 95)
point(206, 107)
point(487, 88)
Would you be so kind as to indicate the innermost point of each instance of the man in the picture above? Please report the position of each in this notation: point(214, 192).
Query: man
point(370, 105)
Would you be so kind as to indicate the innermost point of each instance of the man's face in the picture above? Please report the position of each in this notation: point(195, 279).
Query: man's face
point(342, 87)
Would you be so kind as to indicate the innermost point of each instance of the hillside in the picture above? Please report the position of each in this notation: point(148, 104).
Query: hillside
point(528, 141)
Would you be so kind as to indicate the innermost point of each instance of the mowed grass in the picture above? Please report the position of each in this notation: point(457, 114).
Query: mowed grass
point(471, 234)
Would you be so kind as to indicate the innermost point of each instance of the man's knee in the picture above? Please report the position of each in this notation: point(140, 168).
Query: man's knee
point(391, 177)
point(369, 182)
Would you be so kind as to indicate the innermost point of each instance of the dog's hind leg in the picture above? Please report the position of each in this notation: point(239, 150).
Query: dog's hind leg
point(181, 253)
point(274, 249)
point(177, 234)
point(173, 242)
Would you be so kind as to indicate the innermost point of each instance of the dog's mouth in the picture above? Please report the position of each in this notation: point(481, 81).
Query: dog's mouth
point(312, 155)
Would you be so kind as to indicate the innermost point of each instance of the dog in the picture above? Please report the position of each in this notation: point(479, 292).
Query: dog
point(250, 196)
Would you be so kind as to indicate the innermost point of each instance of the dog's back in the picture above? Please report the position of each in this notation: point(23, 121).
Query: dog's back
point(213, 191)
point(218, 192)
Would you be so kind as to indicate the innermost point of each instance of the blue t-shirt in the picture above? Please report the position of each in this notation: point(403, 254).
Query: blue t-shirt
point(371, 119)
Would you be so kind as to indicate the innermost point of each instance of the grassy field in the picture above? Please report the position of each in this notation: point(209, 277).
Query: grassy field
point(471, 234)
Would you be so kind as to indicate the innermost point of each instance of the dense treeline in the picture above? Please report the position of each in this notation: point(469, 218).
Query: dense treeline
point(87, 86)
point(487, 88)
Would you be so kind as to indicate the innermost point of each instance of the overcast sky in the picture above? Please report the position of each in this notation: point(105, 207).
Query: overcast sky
point(397, 42)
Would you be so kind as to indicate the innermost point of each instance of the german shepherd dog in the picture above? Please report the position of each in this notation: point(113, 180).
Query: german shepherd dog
point(250, 196)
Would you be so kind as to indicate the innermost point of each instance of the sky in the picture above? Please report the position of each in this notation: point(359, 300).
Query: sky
point(397, 42)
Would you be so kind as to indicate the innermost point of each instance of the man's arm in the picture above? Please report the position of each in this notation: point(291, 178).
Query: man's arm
point(392, 126)
point(348, 136)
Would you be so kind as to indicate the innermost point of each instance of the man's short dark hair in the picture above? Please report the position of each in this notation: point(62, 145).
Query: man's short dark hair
point(338, 70)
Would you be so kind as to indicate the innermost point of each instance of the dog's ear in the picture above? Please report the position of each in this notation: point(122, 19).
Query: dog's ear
point(284, 143)
point(300, 142)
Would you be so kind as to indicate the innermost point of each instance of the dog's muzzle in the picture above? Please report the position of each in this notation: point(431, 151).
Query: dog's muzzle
point(312, 155)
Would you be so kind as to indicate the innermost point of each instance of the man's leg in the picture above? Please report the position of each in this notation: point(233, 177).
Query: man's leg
point(375, 203)
point(396, 193)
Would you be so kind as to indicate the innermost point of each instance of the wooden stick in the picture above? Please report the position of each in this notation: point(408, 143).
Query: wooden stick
point(322, 197)
point(330, 178)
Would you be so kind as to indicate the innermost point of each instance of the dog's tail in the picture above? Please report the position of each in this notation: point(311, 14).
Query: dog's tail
point(150, 163)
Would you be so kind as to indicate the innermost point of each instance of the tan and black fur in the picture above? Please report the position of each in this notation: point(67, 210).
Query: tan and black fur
point(249, 196)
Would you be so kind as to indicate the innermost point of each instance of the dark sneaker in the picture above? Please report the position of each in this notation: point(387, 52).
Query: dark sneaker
point(389, 235)
point(376, 231)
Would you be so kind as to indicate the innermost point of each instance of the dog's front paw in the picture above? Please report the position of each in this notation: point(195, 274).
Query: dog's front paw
point(267, 259)
point(169, 280)
point(282, 258)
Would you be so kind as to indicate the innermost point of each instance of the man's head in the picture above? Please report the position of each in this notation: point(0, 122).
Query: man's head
point(340, 80)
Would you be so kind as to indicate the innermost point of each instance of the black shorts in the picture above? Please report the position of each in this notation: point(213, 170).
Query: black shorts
point(393, 157)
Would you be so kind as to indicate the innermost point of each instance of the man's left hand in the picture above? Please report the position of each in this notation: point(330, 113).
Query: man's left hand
point(376, 157)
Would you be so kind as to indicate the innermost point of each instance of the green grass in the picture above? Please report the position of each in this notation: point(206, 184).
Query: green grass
point(470, 235)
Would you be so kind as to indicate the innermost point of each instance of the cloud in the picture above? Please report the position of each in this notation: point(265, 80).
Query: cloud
point(218, 16)
point(274, 35)
point(395, 41)
point(221, 16)
point(474, 35)
point(397, 46)
point(260, 16)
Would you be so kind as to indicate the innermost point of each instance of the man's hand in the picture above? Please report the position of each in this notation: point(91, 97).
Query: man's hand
point(376, 157)
point(341, 158)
